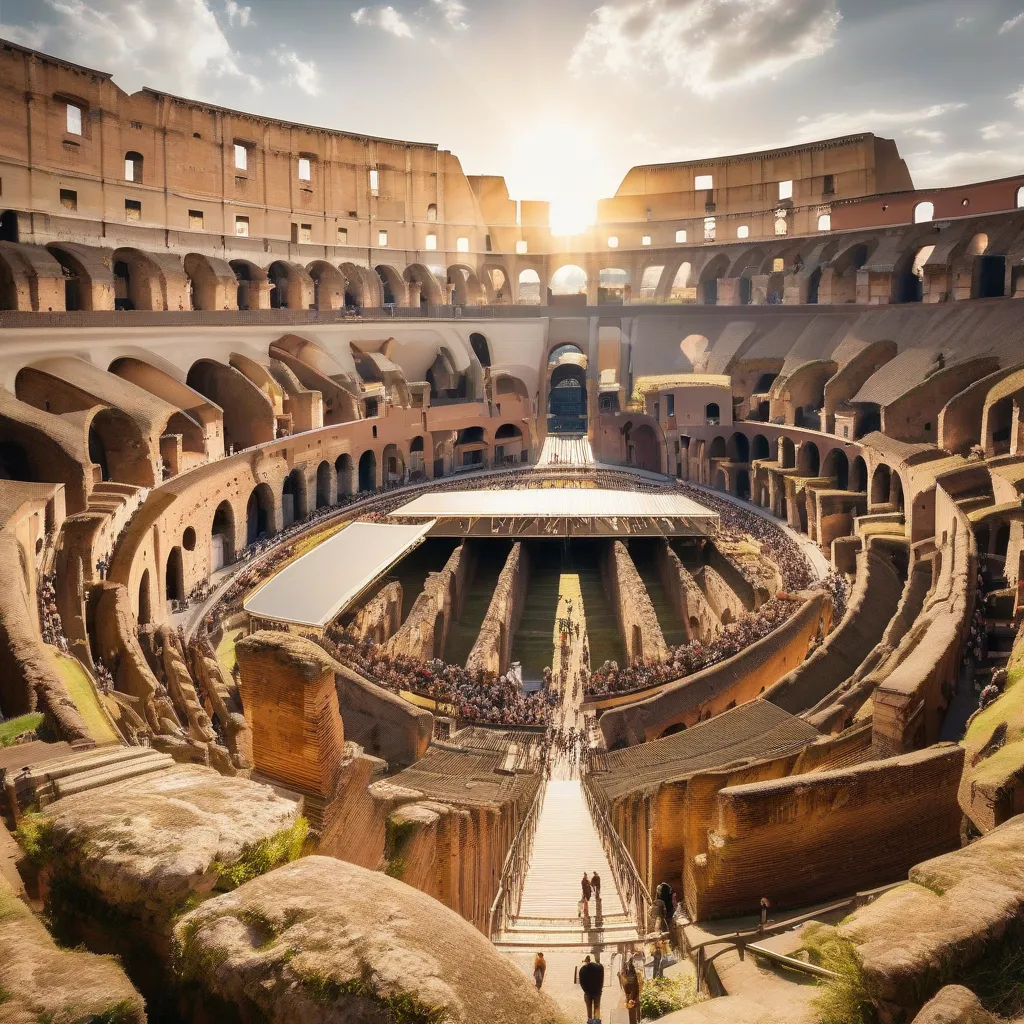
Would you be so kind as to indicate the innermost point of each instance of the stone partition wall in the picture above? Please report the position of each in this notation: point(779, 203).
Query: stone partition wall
point(380, 618)
point(493, 647)
point(809, 838)
point(424, 633)
point(737, 680)
point(641, 633)
point(727, 605)
point(688, 600)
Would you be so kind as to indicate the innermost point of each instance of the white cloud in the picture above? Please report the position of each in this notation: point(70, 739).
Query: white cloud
point(827, 126)
point(707, 45)
point(1018, 98)
point(454, 12)
point(1009, 26)
point(927, 134)
point(932, 170)
point(175, 45)
point(992, 132)
point(386, 18)
point(300, 73)
point(237, 13)
point(963, 22)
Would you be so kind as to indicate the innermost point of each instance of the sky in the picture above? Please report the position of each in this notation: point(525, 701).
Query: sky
point(562, 97)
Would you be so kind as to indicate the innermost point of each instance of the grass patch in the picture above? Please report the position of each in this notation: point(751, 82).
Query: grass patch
point(843, 1000)
point(397, 836)
point(1006, 715)
point(5, 995)
point(11, 730)
point(998, 981)
point(264, 856)
point(402, 1008)
point(83, 694)
point(662, 996)
point(35, 836)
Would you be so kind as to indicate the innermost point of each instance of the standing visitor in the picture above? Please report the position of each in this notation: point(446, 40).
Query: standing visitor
point(595, 882)
point(587, 892)
point(540, 967)
point(592, 983)
point(765, 905)
point(658, 955)
point(630, 982)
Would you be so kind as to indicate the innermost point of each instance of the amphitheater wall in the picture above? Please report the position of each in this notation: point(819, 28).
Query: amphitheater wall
point(638, 624)
point(493, 647)
point(727, 605)
point(808, 838)
point(739, 679)
point(381, 617)
point(688, 600)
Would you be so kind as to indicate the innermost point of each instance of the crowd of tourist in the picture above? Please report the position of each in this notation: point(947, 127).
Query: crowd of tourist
point(49, 617)
point(478, 697)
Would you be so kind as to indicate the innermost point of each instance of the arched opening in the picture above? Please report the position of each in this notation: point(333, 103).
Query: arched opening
point(464, 286)
point(787, 453)
point(569, 280)
point(188, 538)
point(988, 274)
point(393, 464)
point(810, 459)
point(649, 283)
point(738, 448)
point(9, 226)
point(721, 481)
point(884, 485)
point(174, 578)
point(712, 414)
point(644, 449)
point(681, 290)
point(259, 513)
point(285, 286)
point(508, 445)
point(709, 278)
point(328, 285)
point(910, 283)
point(293, 497)
point(761, 449)
point(133, 167)
point(343, 467)
point(679, 727)
point(567, 399)
point(323, 485)
point(481, 349)
point(145, 600)
point(1000, 427)
point(1020, 198)
point(14, 462)
point(122, 286)
point(924, 213)
point(743, 485)
point(250, 280)
point(222, 536)
point(717, 449)
point(859, 476)
point(424, 289)
point(368, 471)
point(837, 467)
point(392, 286)
point(417, 459)
point(529, 288)
point(613, 287)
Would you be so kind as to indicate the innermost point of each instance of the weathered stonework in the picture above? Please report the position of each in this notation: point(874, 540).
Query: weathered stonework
point(638, 623)
point(493, 648)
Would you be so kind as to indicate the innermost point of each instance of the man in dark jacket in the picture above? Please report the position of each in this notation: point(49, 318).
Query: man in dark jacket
point(592, 983)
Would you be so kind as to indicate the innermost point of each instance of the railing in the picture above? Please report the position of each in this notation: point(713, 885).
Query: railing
point(636, 897)
point(513, 871)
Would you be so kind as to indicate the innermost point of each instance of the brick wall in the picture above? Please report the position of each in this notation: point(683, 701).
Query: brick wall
point(688, 600)
point(638, 623)
point(493, 647)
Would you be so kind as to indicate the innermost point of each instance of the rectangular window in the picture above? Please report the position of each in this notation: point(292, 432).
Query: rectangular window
point(522, 247)
point(703, 182)
point(709, 229)
point(242, 227)
point(374, 181)
point(785, 189)
point(743, 231)
point(487, 243)
point(129, 169)
point(462, 244)
point(846, 433)
point(74, 119)
point(195, 220)
point(342, 236)
point(829, 186)
point(382, 239)
point(680, 236)
point(241, 157)
point(69, 199)
point(431, 242)
point(613, 242)
point(305, 171)
point(132, 209)
point(670, 407)
point(825, 222)
point(646, 240)
point(305, 233)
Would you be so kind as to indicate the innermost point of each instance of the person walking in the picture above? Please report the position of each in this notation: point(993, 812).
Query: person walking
point(595, 882)
point(629, 980)
point(592, 983)
point(588, 891)
point(540, 968)
point(657, 956)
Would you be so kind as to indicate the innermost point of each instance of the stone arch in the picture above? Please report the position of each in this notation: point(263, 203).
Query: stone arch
point(252, 286)
point(417, 458)
point(787, 453)
point(743, 485)
point(567, 398)
point(721, 481)
point(117, 447)
point(568, 279)
point(392, 464)
point(174, 576)
point(809, 463)
point(291, 287)
point(496, 280)
point(717, 448)
point(325, 485)
point(139, 281)
point(145, 605)
point(676, 283)
point(249, 417)
point(924, 212)
point(88, 280)
point(368, 470)
point(393, 288)
point(760, 449)
point(467, 288)
point(528, 280)
point(738, 448)
point(886, 487)
point(328, 285)
point(260, 513)
point(223, 542)
point(31, 279)
point(713, 271)
point(859, 475)
point(908, 275)
point(481, 348)
point(646, 448)
point(650, 279)
point(211, 282)
point(423, 287)
point(837, 467)
point(15, 463)
point(361, 286)
point(347, 484)
point(712, 414)
point(294, 499)
point(612, 285)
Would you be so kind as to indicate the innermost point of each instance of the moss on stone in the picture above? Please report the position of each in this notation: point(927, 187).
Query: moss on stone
point(844, 999)
point(35, 835)
point(281, 848)
point(10, 731)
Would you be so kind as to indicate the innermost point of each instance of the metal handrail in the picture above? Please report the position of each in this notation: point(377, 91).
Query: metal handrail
point(513, 871)
point(634, 892)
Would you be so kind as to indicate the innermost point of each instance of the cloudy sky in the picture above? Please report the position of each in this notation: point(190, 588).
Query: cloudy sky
point(563, 96)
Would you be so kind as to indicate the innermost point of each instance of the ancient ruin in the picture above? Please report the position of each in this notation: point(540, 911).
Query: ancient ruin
point(355, 606)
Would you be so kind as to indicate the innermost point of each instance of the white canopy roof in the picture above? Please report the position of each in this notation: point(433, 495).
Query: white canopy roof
point(317, 587)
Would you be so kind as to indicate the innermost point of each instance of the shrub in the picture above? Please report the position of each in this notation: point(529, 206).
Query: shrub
point(666, 995)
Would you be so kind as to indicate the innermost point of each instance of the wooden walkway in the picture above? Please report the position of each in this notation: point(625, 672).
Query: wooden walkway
point(566, 451)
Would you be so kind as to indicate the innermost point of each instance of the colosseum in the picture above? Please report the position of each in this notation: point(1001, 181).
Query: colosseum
point(376, 567)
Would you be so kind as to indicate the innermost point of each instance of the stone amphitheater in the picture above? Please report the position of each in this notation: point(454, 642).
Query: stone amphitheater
point(364, 590)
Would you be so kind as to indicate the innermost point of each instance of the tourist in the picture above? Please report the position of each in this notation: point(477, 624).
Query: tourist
point(595, 882)
point(592, 983)
point(657, 957)
point(587, 893)
point(629, 980)
point(540, 967)
point(765, 907)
